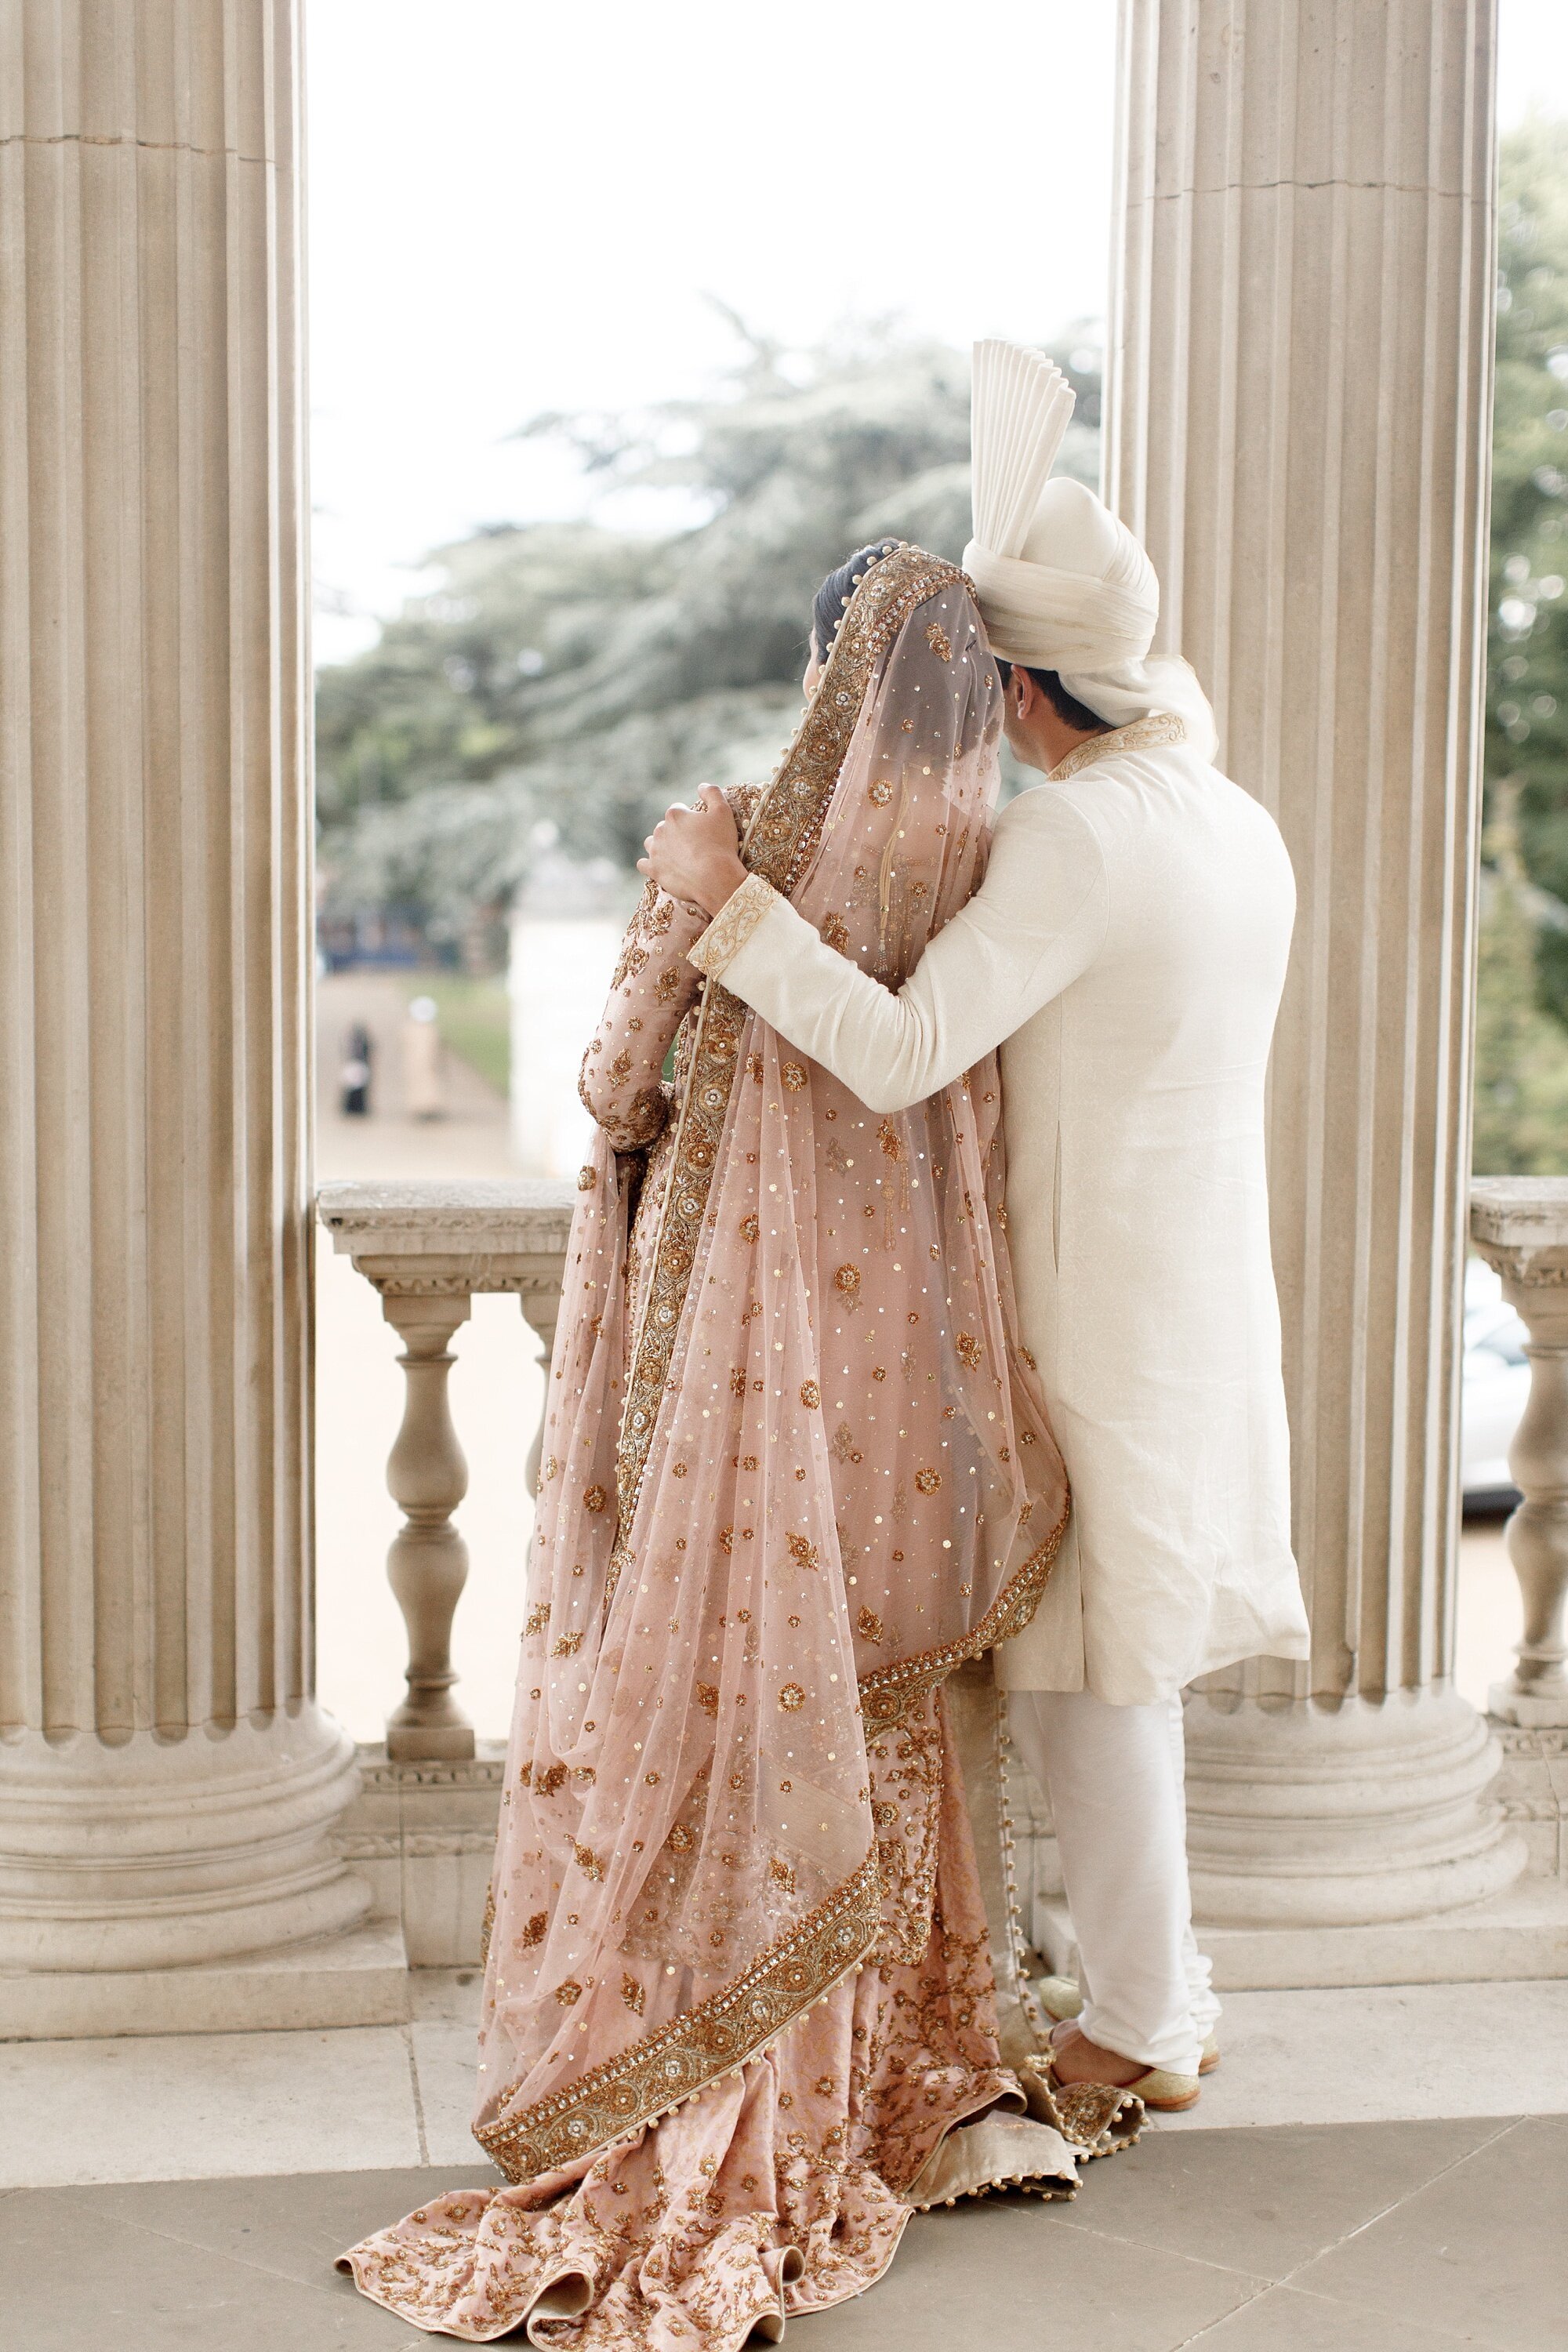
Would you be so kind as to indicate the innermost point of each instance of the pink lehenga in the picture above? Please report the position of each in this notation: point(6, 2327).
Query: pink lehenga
point(740, 2014)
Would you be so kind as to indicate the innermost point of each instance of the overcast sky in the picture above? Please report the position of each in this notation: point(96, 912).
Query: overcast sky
point(516, 206)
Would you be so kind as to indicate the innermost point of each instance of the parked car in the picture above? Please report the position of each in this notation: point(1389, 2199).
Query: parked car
point(1496, 1381)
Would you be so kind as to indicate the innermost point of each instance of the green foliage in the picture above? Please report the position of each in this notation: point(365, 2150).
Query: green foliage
point(575, 678)
point(1521, 1005)
point(475, 1018)
point(1521, 1051)
point(1527, 692)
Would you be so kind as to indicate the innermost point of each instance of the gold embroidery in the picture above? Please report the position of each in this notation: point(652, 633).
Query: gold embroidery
point(588, 1860)
point(634, 1996)
point(793, 1076)
point(535, 1931)
point(614, 2100)
point(803, 1552)
point(869, 1624)
point(792, 1698)
point(586, 1178)
point(732, 925)
point(835, 933)
point(939, 641)
point(970, 1350)
point(594, 1499)
point(1159, 727)
point(927, 1481)
point(810, 1395)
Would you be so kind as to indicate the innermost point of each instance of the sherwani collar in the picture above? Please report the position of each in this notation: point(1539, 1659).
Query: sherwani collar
point(1158, 726)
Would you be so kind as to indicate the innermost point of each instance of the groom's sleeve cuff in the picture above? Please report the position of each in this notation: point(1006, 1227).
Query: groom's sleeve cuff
point(732, 925)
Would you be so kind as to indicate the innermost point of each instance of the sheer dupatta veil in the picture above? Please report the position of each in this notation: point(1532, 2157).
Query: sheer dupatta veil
point(795, 1467)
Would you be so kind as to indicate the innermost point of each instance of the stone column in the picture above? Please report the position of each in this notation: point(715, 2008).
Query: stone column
point(1298, 430)
point(167, 1783)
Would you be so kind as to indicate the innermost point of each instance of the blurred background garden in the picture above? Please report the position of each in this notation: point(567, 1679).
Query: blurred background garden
point(577, 472)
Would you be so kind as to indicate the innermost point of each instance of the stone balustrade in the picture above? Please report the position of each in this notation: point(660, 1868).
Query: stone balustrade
point(428, 1248)
point(1520, 1225)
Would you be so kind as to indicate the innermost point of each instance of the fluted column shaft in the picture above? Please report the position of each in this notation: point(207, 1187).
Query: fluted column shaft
point(1298, 430)
point(166, 1780)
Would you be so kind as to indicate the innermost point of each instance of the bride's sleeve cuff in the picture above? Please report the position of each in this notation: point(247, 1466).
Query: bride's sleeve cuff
point(732, 925)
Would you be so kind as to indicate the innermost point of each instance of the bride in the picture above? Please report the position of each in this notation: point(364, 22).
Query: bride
point(740, 2015)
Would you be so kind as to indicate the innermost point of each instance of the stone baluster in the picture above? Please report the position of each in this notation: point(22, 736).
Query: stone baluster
point(427, 1565)
point(540, 1304)
point(1299, 416)
point(429, 1249)
point(1520, 1225)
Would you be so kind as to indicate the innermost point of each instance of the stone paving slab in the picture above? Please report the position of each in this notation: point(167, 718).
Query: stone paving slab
point(1360, 2238)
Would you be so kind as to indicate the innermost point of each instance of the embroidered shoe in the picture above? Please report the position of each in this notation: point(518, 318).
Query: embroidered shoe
point(1164, 2091)
point(1061, 1997)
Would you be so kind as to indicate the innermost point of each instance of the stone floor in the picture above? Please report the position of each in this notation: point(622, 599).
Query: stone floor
point(1370, 2171)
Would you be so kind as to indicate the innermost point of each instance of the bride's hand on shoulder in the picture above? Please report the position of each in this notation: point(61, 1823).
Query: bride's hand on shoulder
point(694, 853)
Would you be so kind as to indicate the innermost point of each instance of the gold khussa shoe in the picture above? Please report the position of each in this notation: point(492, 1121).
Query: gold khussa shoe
point(1061, 1999)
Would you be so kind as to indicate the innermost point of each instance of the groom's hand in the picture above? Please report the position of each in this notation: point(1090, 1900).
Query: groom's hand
point(694, 853)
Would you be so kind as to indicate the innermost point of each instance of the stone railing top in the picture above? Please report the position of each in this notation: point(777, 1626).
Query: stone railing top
point(520, 1216)
point(1519, 1224)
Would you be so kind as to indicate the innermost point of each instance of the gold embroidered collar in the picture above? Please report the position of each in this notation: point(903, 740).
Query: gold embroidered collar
point(1159, 727)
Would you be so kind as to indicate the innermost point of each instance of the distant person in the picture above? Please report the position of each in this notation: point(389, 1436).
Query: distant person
point(738, 2016)
point(353, 1072)
point(424, 1093)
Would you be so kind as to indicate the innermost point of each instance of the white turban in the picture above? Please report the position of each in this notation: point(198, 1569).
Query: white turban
point(1062, 584)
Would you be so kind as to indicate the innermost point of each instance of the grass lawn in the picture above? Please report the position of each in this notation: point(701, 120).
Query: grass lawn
point(475, 1020)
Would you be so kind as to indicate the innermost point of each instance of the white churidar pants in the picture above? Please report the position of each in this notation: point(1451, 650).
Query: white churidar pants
point(1115, 1777)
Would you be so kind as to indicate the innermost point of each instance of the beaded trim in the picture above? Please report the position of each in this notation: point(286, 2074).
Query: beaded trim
point(890, 1692)
point(615, 2100)
point(1159, 727)
point(732, 925)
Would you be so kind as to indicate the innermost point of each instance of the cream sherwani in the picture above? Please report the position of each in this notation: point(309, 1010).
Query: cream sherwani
point(1126, 951)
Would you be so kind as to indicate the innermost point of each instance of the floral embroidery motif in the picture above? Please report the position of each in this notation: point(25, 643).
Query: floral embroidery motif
point(751, 1228)
point(588, 1860)
point(538, 1618)
point(793, 1076)
point(927, 1481)
point(568, 1645)
point(847, 1279)
point(594, 1499)
point(803, 1552)
point(810, 1395)
point(880, 793)
point(586, 1178)
point(939, 641)
point(634, 1996)
point(535, 1931)
point(835, 933)
point(869, 1626)
point(969, 1349)
point(1143, 735)
point(569, 1994)
point(708, 1697)
point(792, 1698)
point(732, 925)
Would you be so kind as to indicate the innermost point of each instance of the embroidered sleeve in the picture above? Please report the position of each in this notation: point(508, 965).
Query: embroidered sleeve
point(621, 1083)
point(732, 925)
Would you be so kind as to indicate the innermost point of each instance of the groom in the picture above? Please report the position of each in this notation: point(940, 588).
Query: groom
point(1126, 951)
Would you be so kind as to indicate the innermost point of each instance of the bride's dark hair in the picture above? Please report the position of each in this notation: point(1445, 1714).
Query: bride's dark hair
point(836, 591)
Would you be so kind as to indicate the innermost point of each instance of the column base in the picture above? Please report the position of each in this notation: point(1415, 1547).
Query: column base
point(1303, 1815)
point(358, 1978)
point(158, 1855)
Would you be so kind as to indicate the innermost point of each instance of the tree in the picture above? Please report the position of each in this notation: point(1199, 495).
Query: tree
point(1527, 690)
point(573, 677)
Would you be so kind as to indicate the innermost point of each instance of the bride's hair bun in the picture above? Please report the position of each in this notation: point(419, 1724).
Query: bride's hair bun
point(836, 591)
